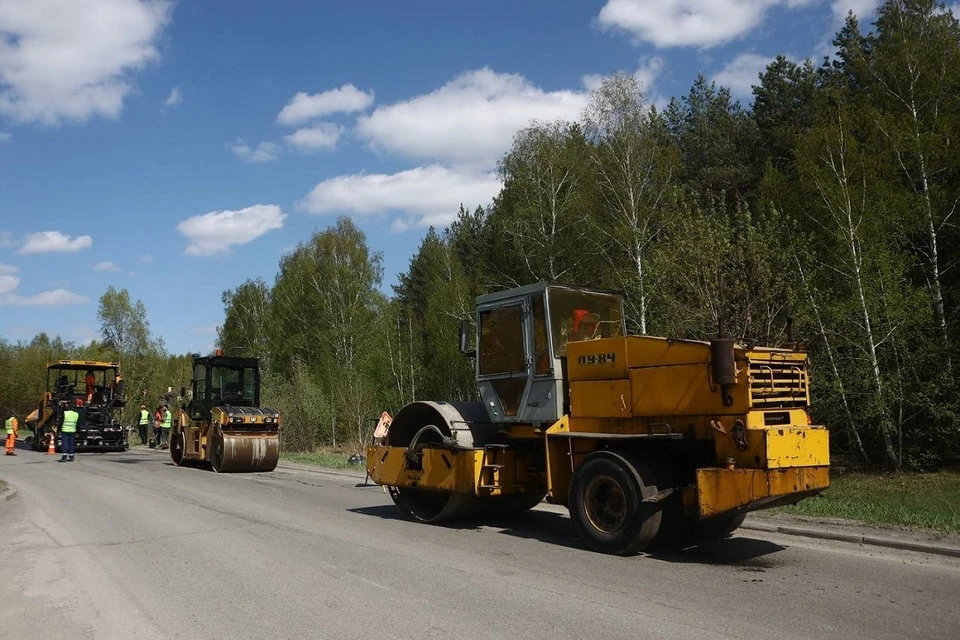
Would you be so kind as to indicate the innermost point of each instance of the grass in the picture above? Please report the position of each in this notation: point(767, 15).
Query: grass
point(325, 457)
point(927, 500)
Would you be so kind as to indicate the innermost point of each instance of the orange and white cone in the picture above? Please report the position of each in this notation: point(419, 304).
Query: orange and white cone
point(52, 448)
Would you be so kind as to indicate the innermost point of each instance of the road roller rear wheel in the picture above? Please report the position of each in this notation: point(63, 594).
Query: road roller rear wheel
point(606, 503)
point(719, 526)
point(177, 448)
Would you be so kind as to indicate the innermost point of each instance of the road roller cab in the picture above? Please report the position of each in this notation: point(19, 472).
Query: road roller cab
point(646, 440)
point(223, 424)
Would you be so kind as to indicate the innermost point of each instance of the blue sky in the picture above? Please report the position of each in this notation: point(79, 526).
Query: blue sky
point(178, 148)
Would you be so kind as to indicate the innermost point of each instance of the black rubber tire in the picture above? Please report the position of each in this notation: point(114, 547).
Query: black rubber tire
point(719, 526)
point(609, 486)
point(674, 524)
point(40, 440)
point(176, 448)
point(216, 452)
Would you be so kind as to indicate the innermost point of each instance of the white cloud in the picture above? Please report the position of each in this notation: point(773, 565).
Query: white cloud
point(54, 242)
point(55, 298)
point(740, 74)
point(426, 195)
point(304, 107)
point(646, 74)
point(469, 121)
point(264, 152)
point(6, 239)
point(105, 266)
point(146, 258)
point(688, 23)
point(217, 231)
point(175, 98)
point(321, 136)
point(4, 136)
point(8, 281)
point(63, 60)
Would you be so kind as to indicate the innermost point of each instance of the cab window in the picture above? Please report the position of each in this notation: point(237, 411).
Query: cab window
point(501, 341)
point(541, 346)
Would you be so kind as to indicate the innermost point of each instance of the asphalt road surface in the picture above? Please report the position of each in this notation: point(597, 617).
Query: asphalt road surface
point(126, 546)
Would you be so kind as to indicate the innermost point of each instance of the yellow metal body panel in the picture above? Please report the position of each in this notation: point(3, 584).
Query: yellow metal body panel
point(673, 378)
point(442, 470)
point(604, 359)
point(726, 447)
point(559, 461)
point(96, 365)
point(680, 390)
point(601, 398)
point(471, 471)
point(797, 447)
point(720, 490)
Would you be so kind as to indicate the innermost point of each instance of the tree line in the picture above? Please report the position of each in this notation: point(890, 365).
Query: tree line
point(125, 337)
point(827, 202)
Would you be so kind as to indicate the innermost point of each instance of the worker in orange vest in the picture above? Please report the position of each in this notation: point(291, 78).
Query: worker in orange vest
point(13, 429)
point(90, 381)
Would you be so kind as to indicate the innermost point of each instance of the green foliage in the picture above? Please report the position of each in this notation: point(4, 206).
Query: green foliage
point(323, 331)
point(735, 277)
point(718, 140)
point(247, 316)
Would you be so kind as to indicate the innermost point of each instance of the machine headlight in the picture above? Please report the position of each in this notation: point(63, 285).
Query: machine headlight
point(268, 419)
point(236, 419)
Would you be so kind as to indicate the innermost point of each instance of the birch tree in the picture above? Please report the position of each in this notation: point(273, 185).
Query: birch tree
point(912, 63)
point(635, 167)
point(543, 175)
point(850, 224)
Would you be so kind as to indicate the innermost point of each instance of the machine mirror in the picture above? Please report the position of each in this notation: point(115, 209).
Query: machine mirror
point(464, 338)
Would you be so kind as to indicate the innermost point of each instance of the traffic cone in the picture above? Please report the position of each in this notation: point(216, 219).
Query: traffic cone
point(52, 449)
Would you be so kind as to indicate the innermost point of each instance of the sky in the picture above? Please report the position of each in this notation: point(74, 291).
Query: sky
point(177, 149)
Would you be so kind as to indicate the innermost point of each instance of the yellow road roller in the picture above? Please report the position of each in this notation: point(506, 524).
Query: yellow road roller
point(647, 441)
point(223, 423)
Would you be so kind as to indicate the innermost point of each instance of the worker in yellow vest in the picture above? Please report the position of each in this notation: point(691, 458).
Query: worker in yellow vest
point(144, 424)
point(166, 423)
point(68, 434)
point(13, 429)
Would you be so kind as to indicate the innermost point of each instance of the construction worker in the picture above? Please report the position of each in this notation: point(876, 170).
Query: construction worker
point(157, 418)
point(585, 325)
point(90, 382)
point(13, 429)
point(68, 434)
point(143, 424)
point(166, 422)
